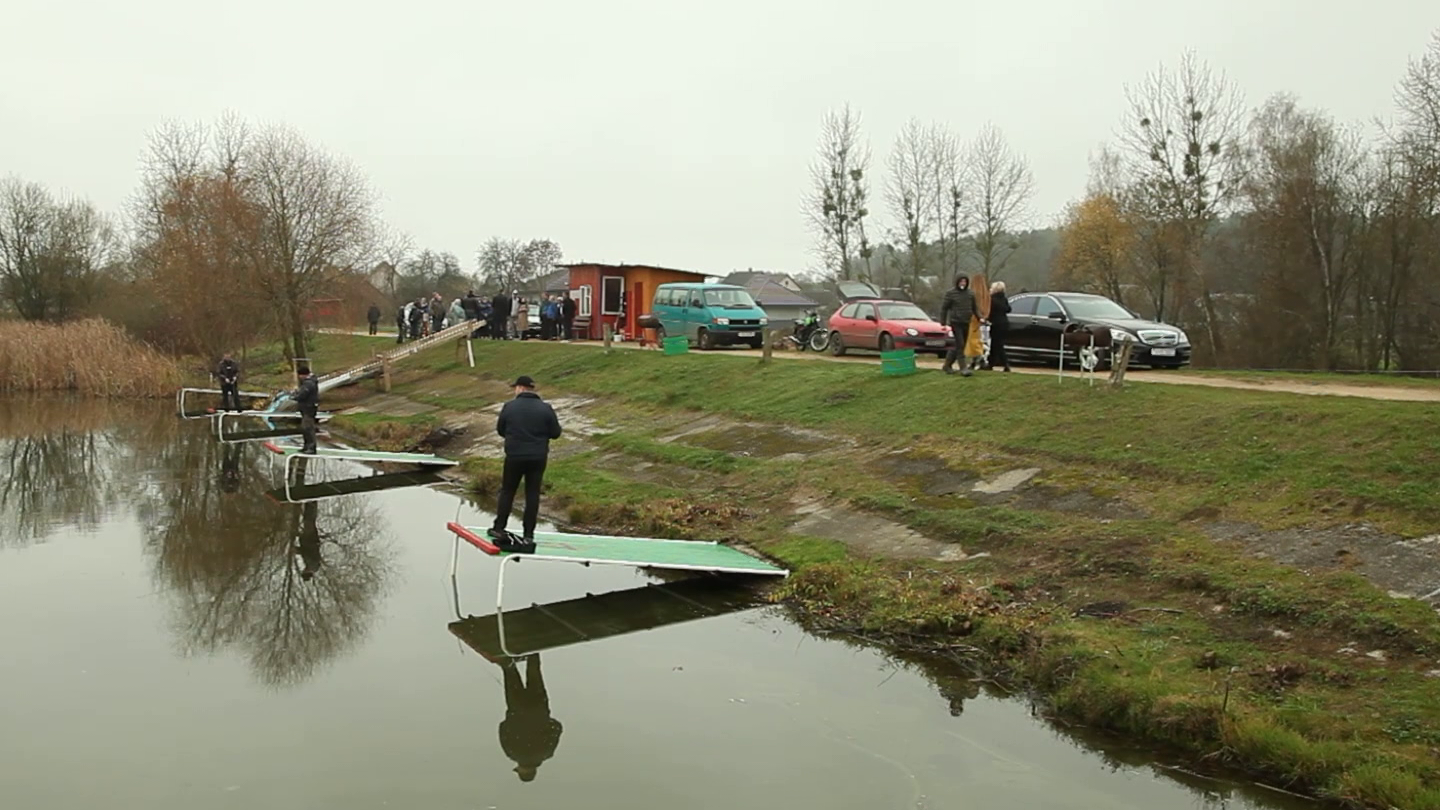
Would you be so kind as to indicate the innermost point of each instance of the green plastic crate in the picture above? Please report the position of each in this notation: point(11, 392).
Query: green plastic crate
point(897, 363)
point(677, 344)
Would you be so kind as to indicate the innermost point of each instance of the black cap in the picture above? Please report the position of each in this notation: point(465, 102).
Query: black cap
point(302, 370)
point(523, 382)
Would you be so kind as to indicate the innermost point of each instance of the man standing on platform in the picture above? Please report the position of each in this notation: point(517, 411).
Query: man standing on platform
point(528, 734)
point(229, 375)
point(307, 397)
point(528, 424)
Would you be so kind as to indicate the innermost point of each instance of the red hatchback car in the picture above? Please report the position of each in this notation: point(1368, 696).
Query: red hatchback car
point(867, 321)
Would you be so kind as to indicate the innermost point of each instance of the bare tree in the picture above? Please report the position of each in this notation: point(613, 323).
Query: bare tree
point(318, 222)
point(1180, 138)
point(835, 205)
point(909, 190)
point(394, 248)
point(1304, 188)
point(948, 201)
point(51, 251)
point(1001, 188)
point(509, 264)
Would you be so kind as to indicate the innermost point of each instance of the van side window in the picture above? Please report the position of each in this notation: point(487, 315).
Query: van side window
point(664, 297)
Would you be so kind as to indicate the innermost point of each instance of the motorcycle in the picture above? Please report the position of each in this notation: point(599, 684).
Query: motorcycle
point(809, 333)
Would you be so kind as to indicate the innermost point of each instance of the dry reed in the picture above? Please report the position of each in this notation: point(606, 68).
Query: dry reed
point(91, 357)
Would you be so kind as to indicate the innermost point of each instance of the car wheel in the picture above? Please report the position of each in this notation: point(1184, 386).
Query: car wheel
point(705, 340)
point(887, 343)
point(837, 346)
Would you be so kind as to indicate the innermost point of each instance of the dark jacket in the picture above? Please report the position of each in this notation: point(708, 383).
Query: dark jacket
point(958, 307)
point(501, 306)
point(373, 314)
point(527, 423)
point(307, 396)
point(228, 372)
point(529, 737)
point(999, 313)
point(568, 306)
point(471, 305)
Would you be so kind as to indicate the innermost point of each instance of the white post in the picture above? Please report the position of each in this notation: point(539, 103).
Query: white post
point(469, 352)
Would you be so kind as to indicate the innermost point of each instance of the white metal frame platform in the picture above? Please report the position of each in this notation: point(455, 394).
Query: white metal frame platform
point(289, 454)
point(181, 394)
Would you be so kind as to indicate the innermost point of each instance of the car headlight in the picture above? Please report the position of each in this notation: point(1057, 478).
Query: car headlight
point(723, 321)
point(912, 332)
point(1183, 338)
point(764, 321)
point(1120, 336)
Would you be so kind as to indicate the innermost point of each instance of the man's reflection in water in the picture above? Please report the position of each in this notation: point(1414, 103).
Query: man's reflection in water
point(230, 468)
point(528, 734)
point(308, 541)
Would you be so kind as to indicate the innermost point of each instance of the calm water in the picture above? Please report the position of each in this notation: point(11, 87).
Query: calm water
point(163, 649)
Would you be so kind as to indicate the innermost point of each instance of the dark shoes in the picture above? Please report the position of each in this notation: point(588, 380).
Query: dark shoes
point(511, 542)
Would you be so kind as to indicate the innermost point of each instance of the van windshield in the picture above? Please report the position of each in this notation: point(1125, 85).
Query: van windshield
point(730, 299)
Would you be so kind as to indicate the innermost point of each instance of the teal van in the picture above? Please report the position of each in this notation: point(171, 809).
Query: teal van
point(710, 315)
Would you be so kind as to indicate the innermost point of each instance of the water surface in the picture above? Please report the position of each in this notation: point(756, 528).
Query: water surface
point(175, 638)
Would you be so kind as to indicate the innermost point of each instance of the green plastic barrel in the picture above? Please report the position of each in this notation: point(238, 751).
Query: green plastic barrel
point(897, 363)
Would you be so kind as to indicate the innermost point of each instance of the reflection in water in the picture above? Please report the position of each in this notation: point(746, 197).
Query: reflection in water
point(528, 734)
point(228, 555)
point(64, 463)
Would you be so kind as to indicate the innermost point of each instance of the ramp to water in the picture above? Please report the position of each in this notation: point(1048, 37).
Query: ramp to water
point(354, 486)
point(641, 552)
point(352, 454)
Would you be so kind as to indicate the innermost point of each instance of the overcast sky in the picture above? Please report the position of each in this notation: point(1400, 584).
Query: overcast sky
point(668, 132)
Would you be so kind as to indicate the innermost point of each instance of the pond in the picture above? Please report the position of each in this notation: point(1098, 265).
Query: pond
point(178, 636)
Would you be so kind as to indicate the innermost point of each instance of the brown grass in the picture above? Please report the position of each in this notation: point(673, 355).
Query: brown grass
point(91, 357)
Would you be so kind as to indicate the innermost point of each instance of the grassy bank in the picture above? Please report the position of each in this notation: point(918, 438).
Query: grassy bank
point(1100, 586)
point(93, 358)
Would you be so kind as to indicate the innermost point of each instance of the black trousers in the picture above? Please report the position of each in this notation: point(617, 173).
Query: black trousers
point(532, 471)
point(400, 331)
point(307, 430)
point(998, 358)
point(229, 396)
point(569, 328)
point(374, 327)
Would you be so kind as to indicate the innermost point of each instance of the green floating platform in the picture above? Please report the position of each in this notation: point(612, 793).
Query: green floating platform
point(640, 552)
point(897, 363)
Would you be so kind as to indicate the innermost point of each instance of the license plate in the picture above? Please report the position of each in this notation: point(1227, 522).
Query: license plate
point(1162, 352)
point(934, 343)
point(744, 334)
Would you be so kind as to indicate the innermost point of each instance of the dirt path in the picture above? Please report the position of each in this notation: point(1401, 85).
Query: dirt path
point(1376, 392)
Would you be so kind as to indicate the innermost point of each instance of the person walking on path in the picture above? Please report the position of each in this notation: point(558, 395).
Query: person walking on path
point(500, 305)
point(307, 398)
point(373, 317)
point(401, 315)
point(974, 339)
point(528, 734)
point(999, 326)
point(957, 310)
point(417, 319)
point(528, 424)
point(228, 373)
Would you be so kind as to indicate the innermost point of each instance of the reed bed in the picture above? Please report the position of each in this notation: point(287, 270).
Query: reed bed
point(91, 357)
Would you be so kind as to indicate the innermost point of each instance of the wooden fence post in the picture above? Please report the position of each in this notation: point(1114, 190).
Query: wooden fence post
point(765, 345)
point(385, 373)
point(1119, 362)
point(608, 333)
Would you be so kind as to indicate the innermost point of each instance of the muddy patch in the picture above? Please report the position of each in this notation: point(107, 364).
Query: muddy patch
point(392, 405)
point(870, 535)
point(754, 441)
point(1407, 568)
point(576, 424)
point(652, 472)
point(928, 474)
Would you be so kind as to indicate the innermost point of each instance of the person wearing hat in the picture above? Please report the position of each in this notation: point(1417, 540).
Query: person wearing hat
point(528, 734)
point(307, 398)
point(528, 424)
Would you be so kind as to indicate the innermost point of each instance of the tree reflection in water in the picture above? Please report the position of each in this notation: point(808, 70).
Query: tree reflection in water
point(236, 561)
point(66, 465)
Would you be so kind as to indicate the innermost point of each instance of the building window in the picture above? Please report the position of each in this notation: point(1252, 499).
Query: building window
point(583, 307)
point(611, 289)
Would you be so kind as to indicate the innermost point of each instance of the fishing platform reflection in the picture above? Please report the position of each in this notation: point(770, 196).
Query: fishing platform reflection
point(529, 734)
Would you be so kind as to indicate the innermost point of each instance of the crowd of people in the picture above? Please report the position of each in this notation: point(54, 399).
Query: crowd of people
point(503, 316)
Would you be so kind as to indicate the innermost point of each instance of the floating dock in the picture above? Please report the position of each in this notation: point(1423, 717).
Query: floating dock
point(637, 552)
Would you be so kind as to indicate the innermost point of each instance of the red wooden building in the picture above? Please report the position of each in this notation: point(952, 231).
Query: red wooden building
point(617, 294)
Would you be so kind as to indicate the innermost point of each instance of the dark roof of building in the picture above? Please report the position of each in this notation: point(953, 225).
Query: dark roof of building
point(766, 289)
